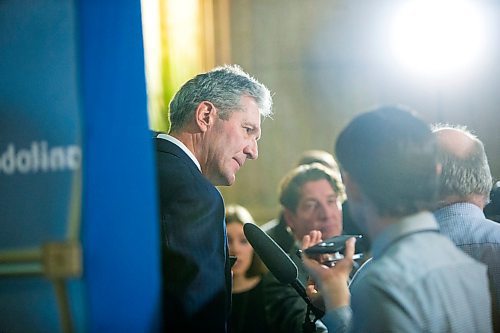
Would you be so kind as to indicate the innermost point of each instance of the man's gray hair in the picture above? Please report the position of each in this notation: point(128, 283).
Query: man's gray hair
point(464, 176)
point(222, 86)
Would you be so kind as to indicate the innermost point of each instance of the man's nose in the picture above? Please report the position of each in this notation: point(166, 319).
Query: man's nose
point(252, 150)
point(233, 250)
point(322, 211)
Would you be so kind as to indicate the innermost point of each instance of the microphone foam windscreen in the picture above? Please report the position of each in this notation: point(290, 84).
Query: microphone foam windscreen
point(276, 260)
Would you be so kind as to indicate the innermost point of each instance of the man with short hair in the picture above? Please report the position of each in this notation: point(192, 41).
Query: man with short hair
point(311, 197)
point(280, 232)
point(417, 279)
point(465, 185)
point(277, 228)
point(215, 124)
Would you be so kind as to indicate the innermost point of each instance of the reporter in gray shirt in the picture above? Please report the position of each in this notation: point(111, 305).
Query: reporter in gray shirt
point(417, 280)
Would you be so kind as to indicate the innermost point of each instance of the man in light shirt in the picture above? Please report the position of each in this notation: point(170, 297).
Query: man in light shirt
point(417, 279)
point(464, 188)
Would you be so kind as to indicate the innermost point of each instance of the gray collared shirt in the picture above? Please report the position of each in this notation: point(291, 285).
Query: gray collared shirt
point(466, 225)
point(417, 281)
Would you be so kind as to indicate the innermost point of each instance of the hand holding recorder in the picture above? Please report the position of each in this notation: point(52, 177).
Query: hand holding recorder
point(331, 281)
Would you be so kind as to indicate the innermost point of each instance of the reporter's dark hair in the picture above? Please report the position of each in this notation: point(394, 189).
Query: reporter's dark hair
point(391, 155)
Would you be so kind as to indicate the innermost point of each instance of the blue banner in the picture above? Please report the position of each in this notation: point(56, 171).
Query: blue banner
point(77, 184)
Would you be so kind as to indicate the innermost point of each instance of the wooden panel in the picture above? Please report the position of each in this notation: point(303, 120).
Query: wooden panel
point(326, 61)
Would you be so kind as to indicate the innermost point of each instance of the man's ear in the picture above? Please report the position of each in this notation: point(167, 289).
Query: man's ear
point(205, 115)
point(351, 187)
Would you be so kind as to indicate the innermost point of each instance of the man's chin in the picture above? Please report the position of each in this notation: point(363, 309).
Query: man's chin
point(228, 181)
point(231, 178)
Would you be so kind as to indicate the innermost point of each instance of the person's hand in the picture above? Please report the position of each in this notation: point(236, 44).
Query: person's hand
point(332, 282)
point(311, 288)
point(314, 295)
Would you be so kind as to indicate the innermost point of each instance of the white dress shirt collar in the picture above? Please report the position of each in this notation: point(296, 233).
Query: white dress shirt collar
point(180, 145)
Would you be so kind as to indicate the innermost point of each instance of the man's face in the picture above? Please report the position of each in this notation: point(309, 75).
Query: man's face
point(318, 209)
point(231, 142)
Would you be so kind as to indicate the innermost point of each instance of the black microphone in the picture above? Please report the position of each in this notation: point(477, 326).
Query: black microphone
point(277, 261)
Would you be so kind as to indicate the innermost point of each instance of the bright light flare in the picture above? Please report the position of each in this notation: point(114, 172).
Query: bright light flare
point(439, 38)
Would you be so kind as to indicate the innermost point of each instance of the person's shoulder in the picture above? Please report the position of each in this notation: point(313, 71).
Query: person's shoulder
point(489, 231)
point(181, 176)
point(469, 224)
point(169, 156)
point(270, 225)
point(278, 231)
point(164, 146)
point(409, 259)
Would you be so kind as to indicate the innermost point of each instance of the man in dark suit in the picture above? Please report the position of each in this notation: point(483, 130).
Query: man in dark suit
point(215, 124)
point(311, 197)
point(281, 233)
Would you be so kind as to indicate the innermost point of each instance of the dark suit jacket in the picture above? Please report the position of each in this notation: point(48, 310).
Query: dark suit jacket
point(277, 229)
point(285, 308)
point(196, 271)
